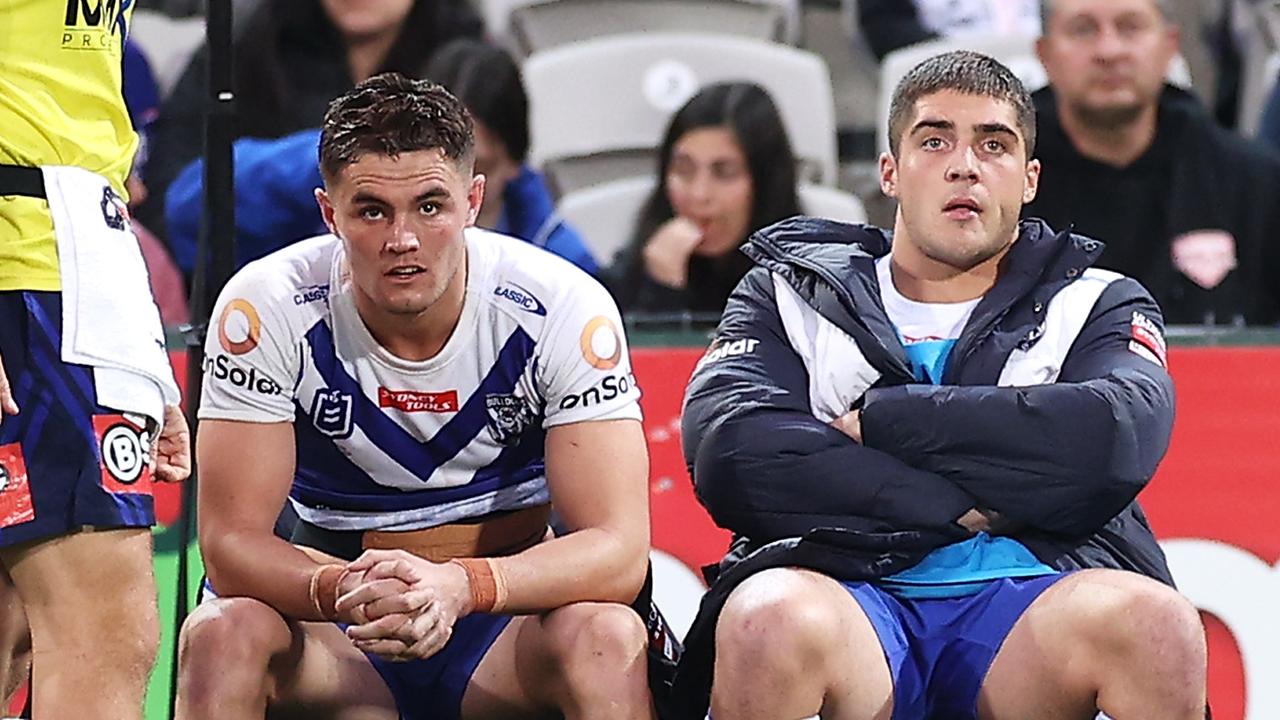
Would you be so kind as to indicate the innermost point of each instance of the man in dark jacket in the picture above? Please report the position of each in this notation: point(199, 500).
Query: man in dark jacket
point(915, 442)
point(1184, 206)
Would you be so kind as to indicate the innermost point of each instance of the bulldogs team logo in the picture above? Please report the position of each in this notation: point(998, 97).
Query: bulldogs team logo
point(331, 413)
point(509, 416)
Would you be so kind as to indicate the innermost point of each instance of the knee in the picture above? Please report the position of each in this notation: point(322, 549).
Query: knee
point(1141, 623)
point(771, 621)
point(1163, 624)
point(589, 638)
point(230, 634)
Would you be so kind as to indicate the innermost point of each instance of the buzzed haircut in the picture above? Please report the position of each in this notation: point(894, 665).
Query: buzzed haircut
point(1046, 11)
point(390, 114)
point(966, 72)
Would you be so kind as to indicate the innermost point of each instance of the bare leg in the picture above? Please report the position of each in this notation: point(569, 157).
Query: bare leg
point(15, 641)
point(581, 661)
point(1100, 640)
point(91, 600)
point(794, 643)
point(239, 657)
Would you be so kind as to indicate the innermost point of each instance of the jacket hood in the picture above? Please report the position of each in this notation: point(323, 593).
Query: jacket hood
point(805, 245)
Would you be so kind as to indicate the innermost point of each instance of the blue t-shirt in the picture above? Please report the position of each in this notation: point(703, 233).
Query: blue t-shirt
point(928, 332)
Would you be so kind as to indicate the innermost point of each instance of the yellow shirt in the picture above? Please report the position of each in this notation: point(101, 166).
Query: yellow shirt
point(60, 104)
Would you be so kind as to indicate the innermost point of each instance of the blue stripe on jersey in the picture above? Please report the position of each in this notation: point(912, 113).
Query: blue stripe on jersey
point(421, 458)
point(524, 460)
point(324, 477)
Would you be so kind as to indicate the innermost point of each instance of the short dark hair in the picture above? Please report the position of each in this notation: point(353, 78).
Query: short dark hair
point(389, 114)
point(487, 80)
point(965, 72)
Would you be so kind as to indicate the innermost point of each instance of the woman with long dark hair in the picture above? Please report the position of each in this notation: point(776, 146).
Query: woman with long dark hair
point(725, 169)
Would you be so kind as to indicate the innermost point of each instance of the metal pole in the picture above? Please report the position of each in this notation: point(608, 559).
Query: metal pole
point(214, 264)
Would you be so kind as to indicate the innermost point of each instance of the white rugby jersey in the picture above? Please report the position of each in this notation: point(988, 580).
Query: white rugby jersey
point(397, 445)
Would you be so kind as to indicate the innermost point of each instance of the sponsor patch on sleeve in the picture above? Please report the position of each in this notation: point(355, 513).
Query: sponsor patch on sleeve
point(722, 348)
point(601, 343)
point(1146, 339)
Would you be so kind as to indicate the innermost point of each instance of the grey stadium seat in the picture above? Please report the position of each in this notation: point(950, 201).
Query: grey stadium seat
point(599, 108)
point(605, 215)
point(534, 25)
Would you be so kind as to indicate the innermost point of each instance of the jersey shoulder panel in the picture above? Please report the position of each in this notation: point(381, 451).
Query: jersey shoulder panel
point(252, 354)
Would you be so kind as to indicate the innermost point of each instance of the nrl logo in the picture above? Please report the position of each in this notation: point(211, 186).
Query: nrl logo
point(331, 413)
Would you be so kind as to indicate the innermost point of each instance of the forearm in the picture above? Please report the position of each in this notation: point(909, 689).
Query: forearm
point(1063, 457)
point(588, 565)
point(266, 568)
point(776, 474)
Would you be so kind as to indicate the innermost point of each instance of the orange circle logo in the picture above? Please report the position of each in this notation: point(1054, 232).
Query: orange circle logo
point(249, 341)
point(601, 343)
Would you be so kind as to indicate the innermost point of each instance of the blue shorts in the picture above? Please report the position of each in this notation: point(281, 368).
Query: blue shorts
point(939, 651)
point(65, 461)
point(432, 689)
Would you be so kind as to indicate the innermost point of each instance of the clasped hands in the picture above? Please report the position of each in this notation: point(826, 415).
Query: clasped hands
point(400, 606)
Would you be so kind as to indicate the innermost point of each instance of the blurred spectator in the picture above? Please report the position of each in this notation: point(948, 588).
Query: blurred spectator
point(1269, 130)
point(516, 199)
point(725, 169)
point(276, 179)
point(275, 182)
point(1184, 206)
point(292, 58)
point(889, 25)
point(142, 97)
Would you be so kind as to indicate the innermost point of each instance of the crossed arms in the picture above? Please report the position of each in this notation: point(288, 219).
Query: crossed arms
point(1062, 458)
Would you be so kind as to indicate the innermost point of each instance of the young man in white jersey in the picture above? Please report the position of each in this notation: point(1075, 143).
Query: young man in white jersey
point(933, 448)
point(421, 391)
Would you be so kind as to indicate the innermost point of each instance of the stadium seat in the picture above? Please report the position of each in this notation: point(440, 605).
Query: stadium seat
point(533, 25)
point(1257, 28)
point(598, 108)
point(168, 43)
point(1017, 52)
point(605, 215)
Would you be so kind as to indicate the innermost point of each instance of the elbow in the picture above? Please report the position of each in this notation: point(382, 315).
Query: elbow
point(218, 554)
point(630, 581)
point(714, 477)
point(624, 575)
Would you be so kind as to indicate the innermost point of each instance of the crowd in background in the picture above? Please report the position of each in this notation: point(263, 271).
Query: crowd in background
point(1184, 202)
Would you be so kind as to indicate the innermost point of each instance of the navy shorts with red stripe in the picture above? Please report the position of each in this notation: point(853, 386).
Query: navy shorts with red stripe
point(65, 461)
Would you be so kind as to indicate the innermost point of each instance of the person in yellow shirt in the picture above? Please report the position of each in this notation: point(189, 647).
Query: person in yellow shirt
point(92, 406)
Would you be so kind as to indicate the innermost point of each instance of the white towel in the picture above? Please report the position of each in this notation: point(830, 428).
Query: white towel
point(109, 319)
